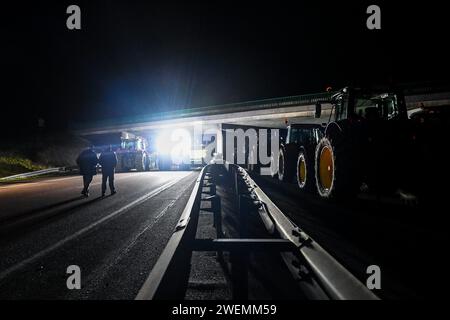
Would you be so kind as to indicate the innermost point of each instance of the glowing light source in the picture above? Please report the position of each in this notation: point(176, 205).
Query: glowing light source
point(177, 144)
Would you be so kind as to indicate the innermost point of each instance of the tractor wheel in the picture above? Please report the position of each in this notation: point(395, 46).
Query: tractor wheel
point(146, 163)
point(305, 172)
point(336, 170)
point(140, 163)
point(121, 167)
point(273, 167)
point(285, 173)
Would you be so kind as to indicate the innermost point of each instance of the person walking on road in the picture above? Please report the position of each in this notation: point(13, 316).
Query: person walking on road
point(108, 161)
point(87, 162)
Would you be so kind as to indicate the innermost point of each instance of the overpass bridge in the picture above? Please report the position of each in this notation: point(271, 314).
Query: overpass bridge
point(269, 113)
point(202, 124)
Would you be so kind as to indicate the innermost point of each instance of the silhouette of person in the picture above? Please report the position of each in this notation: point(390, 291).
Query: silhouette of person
point(108, 161)
point(87, 162)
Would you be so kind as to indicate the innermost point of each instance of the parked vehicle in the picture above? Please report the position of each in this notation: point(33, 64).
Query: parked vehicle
point(296, 155)
point(134, 155)
point(368, 140)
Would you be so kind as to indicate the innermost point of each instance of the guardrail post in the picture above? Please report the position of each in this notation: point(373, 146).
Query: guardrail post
point(238, 257)
point(242, 214)
point(236, 182)
point(217, 212)
point(239, 274)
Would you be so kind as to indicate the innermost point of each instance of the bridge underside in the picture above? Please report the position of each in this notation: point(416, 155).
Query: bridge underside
point(274, 113)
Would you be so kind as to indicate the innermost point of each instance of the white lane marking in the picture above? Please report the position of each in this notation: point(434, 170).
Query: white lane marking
point(156, 218)
point(119, 256)
point(62, 242)
point(163, 212)
point(137, 236)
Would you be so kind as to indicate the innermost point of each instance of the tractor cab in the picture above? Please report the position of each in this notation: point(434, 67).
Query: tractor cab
point(303, 135)
point(368, 137)
point(355, 104)
point(133, 154)
point(133, 144)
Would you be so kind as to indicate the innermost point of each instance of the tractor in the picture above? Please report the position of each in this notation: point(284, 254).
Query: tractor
point(368, 144)
point(296, 155)
point(133, 154)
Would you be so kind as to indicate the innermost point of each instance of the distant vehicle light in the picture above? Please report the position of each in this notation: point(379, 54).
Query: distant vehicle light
point(174, 143)
point(163, 143)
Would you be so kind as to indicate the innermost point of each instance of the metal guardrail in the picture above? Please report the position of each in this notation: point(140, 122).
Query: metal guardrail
point(322, 276)
point(33, 174)
point(336, 281)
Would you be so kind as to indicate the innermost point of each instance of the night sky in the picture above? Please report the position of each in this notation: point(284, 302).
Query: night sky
point(138, 57)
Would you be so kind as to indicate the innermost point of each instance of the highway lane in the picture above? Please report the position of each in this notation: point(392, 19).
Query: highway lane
point(45, 226)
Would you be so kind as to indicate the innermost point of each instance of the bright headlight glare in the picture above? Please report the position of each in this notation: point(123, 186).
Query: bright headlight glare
point(163, 144)
point(176, 143)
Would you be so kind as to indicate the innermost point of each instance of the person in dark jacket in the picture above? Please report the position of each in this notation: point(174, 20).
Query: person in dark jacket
point(87, 162)
point(108, 161)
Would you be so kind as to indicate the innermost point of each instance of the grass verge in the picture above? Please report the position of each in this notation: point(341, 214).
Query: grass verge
point(11, 164)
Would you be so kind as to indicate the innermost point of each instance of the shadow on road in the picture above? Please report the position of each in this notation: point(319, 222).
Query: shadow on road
point(28, 220)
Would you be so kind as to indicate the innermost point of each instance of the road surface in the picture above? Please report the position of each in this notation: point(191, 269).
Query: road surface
point(45, 227)
point(408, 243)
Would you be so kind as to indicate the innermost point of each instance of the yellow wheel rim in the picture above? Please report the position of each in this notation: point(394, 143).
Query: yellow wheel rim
point(302, 172)
point(326, 169)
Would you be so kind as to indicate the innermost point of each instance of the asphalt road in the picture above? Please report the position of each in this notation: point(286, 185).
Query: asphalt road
point(408, 243)
point(45, 227)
